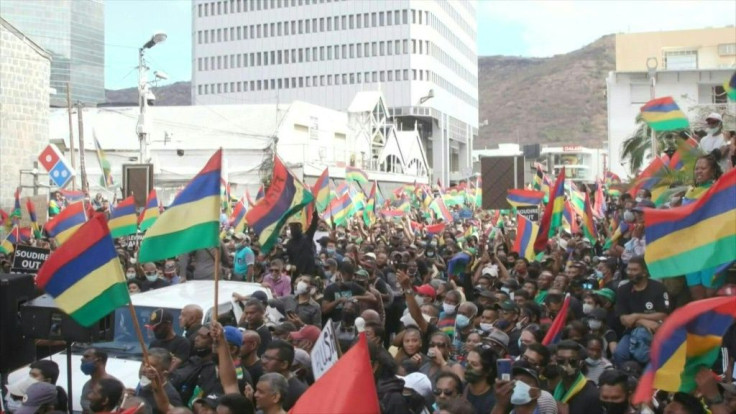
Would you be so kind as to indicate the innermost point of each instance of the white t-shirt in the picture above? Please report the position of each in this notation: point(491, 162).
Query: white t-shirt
point(710, 142)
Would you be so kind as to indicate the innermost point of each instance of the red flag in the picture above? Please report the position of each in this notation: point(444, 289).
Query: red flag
point(347, 387)
point(555, 331)
point(552, 217)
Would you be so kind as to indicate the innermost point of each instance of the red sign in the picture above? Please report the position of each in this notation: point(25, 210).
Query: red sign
point(49, 157)
point(572, 148)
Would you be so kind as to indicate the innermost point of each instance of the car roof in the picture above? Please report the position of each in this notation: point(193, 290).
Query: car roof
point(201, 292)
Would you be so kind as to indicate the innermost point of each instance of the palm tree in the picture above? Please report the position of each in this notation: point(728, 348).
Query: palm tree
point(639, 144)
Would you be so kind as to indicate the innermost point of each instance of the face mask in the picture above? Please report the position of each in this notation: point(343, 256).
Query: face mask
point(712, 131)
point(506, 290)
point(330, 250)
point(462, 321)
point(587, 308)
point(629, 216)
point(637, 278)
point(144, 381)
point(594, 324)
point(592, 362)
point(521, 395)
point(151, 277)
point(88, 367)
point(130, 275)
point(486, 327)
point(430, 253)
point(448, 309)
point(301, 288)
point(615, 408)
point(160, 333)
point(202, 352)
point(328, 274)
point(349, 318)
point(472, 376)
point(13, 405)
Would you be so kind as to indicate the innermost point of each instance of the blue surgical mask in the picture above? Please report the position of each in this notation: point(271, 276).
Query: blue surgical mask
point(521, 394)
point(598, 274)
point(88, 367)
point(461, 321)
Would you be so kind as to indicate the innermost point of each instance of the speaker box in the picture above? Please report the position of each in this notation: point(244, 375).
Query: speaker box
point(500, 174)
point(43, 320)
point(15, 350)
point(138, 181)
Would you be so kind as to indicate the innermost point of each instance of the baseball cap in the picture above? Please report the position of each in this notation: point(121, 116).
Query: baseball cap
point(426, 290)
point(19, 388)
point(37, 395)
point(606, 293)
point(211, 401)
point(500, 337)
point(233, 336)
point(239, 236)
point(158, 317)
point(524, 368)
point(261, 296)
point(309, 332)
point(715, 115)
point(302, 358)
point(507, 305)
point(361, 274)
point(420, 383)
point(370, 255)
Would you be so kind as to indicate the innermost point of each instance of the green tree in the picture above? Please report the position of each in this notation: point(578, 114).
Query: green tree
point(635, 148)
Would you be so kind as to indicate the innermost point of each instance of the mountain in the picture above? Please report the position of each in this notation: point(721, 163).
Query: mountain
point(558, 100)
point(176, 94)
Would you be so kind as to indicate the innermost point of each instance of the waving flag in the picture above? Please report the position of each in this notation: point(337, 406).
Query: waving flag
point(729, 86)
point(650, 178)
point(106, 178)
point(321, 191)
point(339, 209)
point(521, 198)
point(690, 338)
point(6, 247)
point(686, 155)
point(346, 387)
point(526, 233)
point(600, 207)
point(440, 210)
point(663, 114)
point(612, 178)
point(150, 213)
point(552, 217)
point(260, 194)
point(694, 237)
point(369, 212)
point(64, 224)
point(285, 197)
point(356, 174)
point(237, 218)
point(554, 334)
point(123, 219)
point(34, 219)
point(191, 222)
point(19, 234)
point(569, 219)
point(84, 276)
point(251, 203)
point(16, 214)
point(589, 230)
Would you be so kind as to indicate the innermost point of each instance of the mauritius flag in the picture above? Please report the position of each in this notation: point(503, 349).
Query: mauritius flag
point(552, 217)
point(521, 198)
point(150, 213)
point(123, 219)
point(554, 334)
point(321, 191)
point(192, 221)
point(356, 174)
point(663, 114)
point(285, 197)
point(526, 233)
point(689, 339)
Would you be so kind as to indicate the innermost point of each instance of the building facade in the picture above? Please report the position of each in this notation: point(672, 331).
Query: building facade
point(24, 103)
point(421, 54)
point(73, 33)
point(691, 66)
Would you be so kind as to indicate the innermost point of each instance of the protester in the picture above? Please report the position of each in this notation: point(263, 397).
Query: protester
point(94, 362)
point(271, 392)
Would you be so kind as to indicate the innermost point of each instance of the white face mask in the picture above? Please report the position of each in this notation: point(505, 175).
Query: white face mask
point(594, 324)
point(130, 275)
point(301, 288)
point(712, 131)
point(448, 309)
point(486, 327)
point(521, 394)
point(152, 278)
point(145, 381)
point(587, 308)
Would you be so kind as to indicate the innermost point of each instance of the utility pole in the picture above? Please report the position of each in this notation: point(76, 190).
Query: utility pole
point(652, 72)
point(71, 135)
point(82, 169)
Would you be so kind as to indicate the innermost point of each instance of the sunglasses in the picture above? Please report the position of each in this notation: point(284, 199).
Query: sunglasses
point(447, 393)
point(437, 344)
point(563, 361)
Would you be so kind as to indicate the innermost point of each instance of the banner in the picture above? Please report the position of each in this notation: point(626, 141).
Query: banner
point(532, 213)
point(325, 351)
point(28, 259)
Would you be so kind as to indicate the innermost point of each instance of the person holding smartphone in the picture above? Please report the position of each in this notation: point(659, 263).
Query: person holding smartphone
point(480, 375)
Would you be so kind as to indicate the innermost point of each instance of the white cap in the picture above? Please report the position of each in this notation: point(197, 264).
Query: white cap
point(20, 387)
point(419, 383)
point(716, 116)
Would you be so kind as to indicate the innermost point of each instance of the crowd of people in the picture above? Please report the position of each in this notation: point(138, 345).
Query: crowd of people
point(455, 321)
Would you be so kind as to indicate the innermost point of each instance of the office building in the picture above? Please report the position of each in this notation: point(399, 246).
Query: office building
point(73, 33)
point(420, 54)
point(688, 65)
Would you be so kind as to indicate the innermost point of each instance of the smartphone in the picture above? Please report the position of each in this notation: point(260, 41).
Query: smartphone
point(503, 366)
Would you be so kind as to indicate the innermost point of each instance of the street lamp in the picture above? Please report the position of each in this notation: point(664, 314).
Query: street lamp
point(142, 128)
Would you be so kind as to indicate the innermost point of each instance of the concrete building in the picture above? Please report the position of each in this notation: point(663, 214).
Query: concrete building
point(421, 54)
point(24, 107)
point(688, 65)
point(73, 33)
point(310, 138)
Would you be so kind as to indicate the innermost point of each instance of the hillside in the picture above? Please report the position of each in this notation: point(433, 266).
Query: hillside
point(556, 100)
point(176, 94)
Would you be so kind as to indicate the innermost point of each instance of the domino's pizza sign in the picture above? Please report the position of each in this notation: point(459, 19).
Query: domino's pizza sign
point(53, 161)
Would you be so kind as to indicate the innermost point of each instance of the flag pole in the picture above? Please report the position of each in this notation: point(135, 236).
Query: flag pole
point(138, 331)
point(217, 282)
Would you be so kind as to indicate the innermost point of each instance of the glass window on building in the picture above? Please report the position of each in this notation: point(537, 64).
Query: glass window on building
point(681, 60)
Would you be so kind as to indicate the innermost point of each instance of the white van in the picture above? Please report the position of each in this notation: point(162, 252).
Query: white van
point(124, 352)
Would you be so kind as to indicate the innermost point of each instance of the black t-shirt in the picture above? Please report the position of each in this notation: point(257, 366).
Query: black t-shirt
point(295, 390)
point(652, 299)
point(255, 370)
point(178, 346)
point(146, 394)
point(483, 403)
point(586, 401)
point(340, 290)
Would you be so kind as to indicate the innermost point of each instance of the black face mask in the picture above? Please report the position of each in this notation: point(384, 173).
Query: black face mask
point(551, 371)
point(615, 408)
point(202, 352)
point(160, 333)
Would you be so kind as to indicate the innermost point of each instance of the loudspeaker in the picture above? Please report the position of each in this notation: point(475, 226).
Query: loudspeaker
point(138, 181)
point(43, 320)
point(500, 174)
point(15, 350)
point(532, 151)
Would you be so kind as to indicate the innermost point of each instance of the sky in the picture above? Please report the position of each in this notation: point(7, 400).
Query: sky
point(518, 28)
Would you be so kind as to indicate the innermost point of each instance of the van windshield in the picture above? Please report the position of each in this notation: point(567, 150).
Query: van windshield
point(125, 341)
